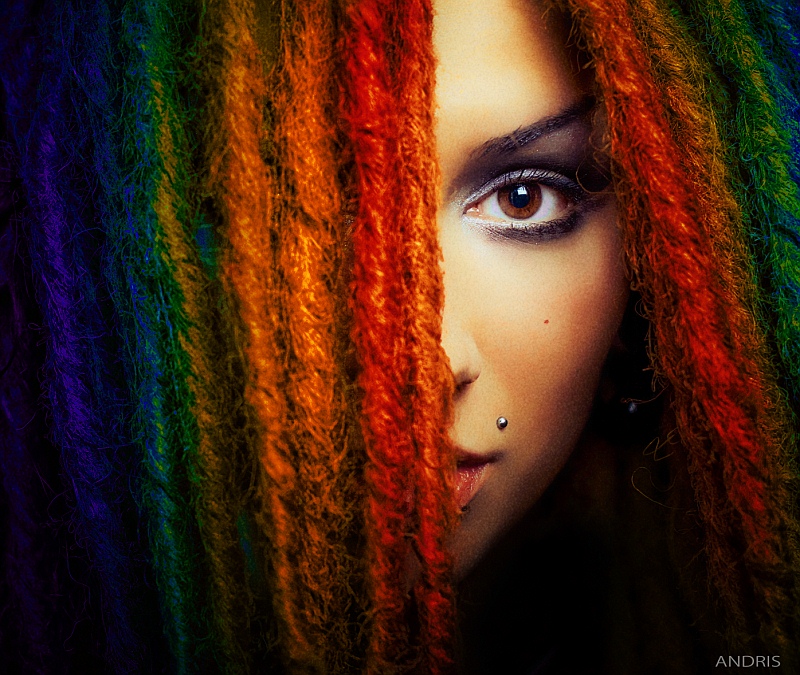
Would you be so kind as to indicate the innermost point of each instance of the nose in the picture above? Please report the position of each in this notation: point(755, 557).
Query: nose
point(460, 348)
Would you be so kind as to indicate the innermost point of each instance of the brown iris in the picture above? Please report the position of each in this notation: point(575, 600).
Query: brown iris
point(520, 200)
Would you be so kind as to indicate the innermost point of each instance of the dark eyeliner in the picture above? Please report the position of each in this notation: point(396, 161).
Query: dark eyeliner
point(538, 233)
point(557, 181)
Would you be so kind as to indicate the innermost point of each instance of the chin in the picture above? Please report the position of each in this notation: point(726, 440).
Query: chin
point(478, 534)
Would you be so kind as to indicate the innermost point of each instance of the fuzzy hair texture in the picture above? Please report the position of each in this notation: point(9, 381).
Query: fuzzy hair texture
point(232, 414)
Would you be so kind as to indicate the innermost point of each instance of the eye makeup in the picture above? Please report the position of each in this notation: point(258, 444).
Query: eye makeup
point(551, 179)
point(569, 189)
point(537, 232)
point(556, 155)
point(563, 204)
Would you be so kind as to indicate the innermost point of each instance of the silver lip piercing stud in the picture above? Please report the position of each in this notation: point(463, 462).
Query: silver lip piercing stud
point(502, 423)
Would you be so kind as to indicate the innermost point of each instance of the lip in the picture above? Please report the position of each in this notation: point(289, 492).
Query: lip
point(471, 473)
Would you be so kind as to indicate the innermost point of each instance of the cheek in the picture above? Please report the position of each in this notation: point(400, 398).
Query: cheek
point(550, 320)
point(543, 319)
point(536, 324)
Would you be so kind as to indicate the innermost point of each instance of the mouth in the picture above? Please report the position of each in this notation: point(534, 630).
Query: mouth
point(471, 473)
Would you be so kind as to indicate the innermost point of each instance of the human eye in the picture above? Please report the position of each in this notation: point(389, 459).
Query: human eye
point(530, 205)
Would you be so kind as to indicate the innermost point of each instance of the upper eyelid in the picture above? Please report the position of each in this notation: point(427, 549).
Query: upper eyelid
point(551, 179)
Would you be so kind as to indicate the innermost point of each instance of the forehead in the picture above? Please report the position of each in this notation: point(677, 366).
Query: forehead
point(502, 65)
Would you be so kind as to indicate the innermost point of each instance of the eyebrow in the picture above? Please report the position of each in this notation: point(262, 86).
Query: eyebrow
point(526, 135)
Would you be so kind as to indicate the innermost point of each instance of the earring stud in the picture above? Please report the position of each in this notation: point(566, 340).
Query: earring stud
point(502, 423)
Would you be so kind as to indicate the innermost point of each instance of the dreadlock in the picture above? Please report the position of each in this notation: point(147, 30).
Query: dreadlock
point(222, 387)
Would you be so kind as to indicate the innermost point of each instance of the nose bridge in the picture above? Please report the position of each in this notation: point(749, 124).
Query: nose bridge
point(457, 339)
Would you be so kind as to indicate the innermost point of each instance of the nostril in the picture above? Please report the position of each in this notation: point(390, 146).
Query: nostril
point(463, 379)
point(460, 387)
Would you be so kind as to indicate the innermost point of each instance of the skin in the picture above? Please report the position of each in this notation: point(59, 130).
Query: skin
point(530, 314)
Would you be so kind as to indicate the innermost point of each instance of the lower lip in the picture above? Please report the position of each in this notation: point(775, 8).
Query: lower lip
point(469, 480)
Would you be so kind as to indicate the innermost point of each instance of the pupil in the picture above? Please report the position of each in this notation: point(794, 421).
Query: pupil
point(519, 196)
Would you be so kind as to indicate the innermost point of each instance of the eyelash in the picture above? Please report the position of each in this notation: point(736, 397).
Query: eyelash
point(539, 231)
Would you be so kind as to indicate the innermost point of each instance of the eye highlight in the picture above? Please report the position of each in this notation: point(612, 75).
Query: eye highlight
point(521, 200)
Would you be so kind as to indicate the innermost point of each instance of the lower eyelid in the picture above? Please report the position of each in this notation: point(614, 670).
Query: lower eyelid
point(543, 232)
point(537, 233)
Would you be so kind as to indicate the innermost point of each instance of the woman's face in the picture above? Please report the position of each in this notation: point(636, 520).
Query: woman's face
point(535, 285)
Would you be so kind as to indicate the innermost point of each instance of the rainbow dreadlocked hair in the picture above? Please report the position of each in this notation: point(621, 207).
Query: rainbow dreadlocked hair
point(223, 400)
